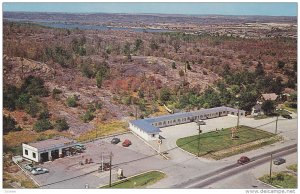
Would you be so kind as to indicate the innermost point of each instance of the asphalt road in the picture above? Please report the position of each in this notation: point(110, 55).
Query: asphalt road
point(233, 169)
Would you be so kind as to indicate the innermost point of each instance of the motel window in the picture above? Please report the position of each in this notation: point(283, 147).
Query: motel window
point(159, 123)
point(33, 155)
point(174, 121)
point(178, 120)
point(201, 116)
point(164, 122)
point(232, 113)
point(153, 135)
point(168, 122)
point(224, 112)
point(26, 152)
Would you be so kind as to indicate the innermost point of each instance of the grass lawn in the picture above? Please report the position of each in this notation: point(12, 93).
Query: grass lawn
point(213, 142)
point(139, 181)
point(293, 167)
point(282, 112)
point(104, 129)
point(257, 117)
point(281, 180)
point(285, 106)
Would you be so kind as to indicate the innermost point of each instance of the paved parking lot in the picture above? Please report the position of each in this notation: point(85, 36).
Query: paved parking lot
point(62, 169)
point(286, 128)
point(67, 173)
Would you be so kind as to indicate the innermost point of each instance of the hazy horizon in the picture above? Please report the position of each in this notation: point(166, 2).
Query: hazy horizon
point(194, 9)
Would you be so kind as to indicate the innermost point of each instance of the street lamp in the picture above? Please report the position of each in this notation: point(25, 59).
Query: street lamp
point(199, 130)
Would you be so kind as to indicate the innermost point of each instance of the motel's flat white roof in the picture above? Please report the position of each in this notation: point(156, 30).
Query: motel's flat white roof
point(146, 124)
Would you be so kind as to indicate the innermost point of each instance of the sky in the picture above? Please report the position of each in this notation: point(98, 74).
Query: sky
point(271, 9)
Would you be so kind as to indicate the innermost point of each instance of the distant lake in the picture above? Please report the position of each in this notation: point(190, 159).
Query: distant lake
point(55, 24)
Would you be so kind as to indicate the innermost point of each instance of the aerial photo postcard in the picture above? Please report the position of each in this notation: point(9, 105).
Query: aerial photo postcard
point(150, 95)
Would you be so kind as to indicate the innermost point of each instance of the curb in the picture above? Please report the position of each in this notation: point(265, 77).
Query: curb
point(28, 175)
point(99, 187)
point(267, 184)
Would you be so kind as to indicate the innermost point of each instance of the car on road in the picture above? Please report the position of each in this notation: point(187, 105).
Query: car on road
point(115, 140)
point(286, 116)
point(28, 167)
point(36, 171)
point(126, 143)
point(243, 160)
point(279, 161)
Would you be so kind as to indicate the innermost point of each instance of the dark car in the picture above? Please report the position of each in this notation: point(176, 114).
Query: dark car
point(115, 140)
point(286, 116)
point(278, 161)
point(79, 146)
point(126, 143)
point(243, 160)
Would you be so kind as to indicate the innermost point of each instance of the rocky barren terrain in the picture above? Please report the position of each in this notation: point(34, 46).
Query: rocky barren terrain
point(137, 66)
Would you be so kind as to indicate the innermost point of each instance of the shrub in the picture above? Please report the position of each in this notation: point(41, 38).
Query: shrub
point(88, 116)
point(23, 100)
point(61, 124)
point(9, 124)
point(91, 108)
point(98, 105)
point(173, 65)
point(71, 101)
point(42, 125)
point(34, 86)
point(33, 107)
point(44, 114)
point(280, 64)
point(55, 93)
point(10, 94)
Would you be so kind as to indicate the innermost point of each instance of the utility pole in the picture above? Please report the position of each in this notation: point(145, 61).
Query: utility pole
point(199, 139)
point(276, 125)
point(110, 159)
point(270, 176)
point(238, 120)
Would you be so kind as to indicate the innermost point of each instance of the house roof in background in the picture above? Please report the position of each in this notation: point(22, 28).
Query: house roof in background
point(270, 96)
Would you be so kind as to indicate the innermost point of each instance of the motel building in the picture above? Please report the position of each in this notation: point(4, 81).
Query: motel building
point(48, 150)
point(148, 128)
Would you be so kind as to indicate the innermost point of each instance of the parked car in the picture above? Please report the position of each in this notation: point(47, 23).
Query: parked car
point(79, 147)
point(278, 161)
point(115, 140)
point(201, 122)
point(36, 171)
point(28, 167)
point(286, 116)
point(243, 160)
point(126, 143)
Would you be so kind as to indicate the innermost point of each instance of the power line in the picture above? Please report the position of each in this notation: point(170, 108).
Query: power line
point(146, 157)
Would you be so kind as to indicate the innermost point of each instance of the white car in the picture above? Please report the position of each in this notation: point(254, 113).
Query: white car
point(36, 171)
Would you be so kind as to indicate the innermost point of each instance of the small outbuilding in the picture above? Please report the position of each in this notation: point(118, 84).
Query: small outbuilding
point(48, 150)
